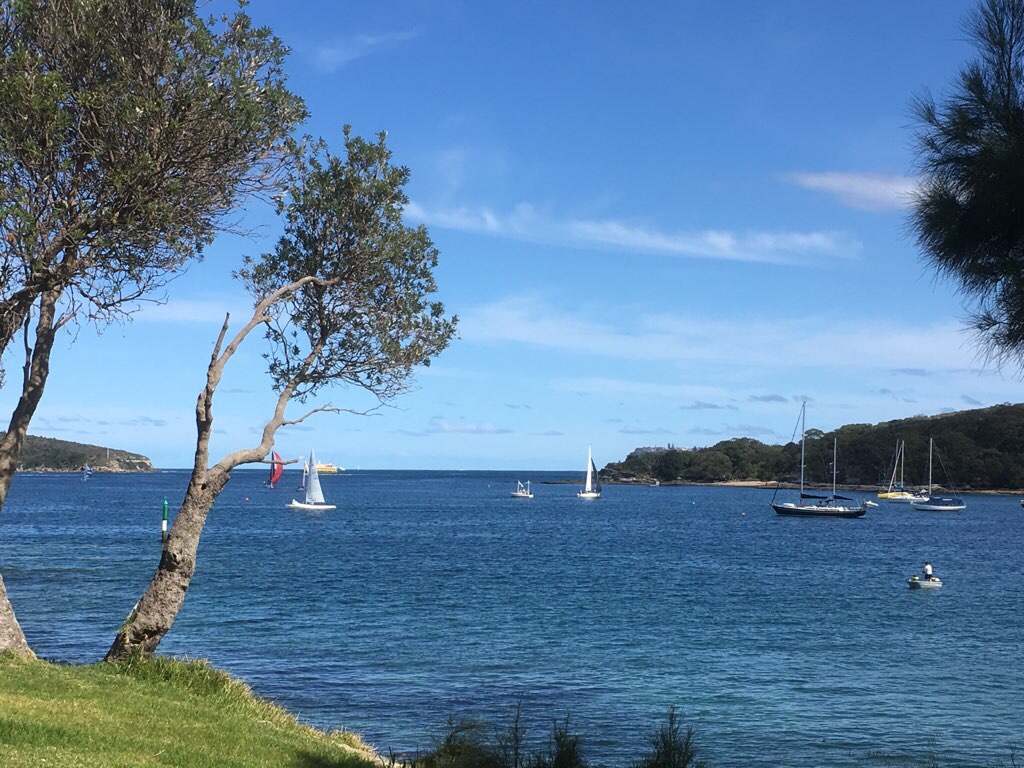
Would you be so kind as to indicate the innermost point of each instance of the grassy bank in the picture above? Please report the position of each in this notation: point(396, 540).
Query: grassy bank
point(153, 713)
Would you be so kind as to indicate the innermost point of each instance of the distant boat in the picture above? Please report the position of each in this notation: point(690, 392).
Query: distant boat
point(305, 475)
point(86, 472)
point(522, 491)
point(314, 500)
point(276, 469)
point(592, 488)
point(820, 506)
point(916, 582)
point(897, 492)
point(933, 503)
point(328, 469)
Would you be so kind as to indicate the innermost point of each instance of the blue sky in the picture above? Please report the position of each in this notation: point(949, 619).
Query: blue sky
point(662, 223)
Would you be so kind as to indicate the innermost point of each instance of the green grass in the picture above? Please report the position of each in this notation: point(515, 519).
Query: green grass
point(158, 712)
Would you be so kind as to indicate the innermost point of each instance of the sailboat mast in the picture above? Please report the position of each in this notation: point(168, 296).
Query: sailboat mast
point(835, 448)
point(903, 448)
point(803, 444)
point(931, 442)
point(590, 463)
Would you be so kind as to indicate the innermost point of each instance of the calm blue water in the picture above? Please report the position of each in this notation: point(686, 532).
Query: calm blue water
point(430, 595)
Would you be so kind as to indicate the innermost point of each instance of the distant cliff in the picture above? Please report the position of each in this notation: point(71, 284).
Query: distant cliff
point(49, 453)
point(979, 449)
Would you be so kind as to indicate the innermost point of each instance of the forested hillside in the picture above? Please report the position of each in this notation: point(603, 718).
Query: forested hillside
point(980, 449)
point(50, 453)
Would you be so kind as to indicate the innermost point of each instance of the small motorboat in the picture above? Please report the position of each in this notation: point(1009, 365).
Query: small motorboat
point(916, 582)
point(522, 491)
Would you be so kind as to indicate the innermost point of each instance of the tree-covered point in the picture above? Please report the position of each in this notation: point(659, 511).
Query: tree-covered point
point(981, 449)
point(62, 455)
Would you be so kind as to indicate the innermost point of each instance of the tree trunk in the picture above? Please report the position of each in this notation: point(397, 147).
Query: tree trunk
point(154, 614)
point(11, 636)
point(37, 368)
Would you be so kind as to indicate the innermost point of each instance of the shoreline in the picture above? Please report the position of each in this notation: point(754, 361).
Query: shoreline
point(772, 485)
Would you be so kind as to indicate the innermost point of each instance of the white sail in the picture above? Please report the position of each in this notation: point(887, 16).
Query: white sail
point(314, 500)
point(592, 487)
point(314, 495)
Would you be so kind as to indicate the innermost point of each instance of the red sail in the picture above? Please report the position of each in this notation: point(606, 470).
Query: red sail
point(276, 468)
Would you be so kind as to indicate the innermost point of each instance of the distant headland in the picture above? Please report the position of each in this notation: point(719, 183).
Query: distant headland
point(980, 449)
point(48, 454)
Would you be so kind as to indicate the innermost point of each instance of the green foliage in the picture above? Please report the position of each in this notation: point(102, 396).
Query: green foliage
point(466, 745)
point(196, 676)
point(671, 747)
point(365, 315)
point(980, 449)
point(565, 750)
point(128, 129)
point(967, 216)
point(462, 746)
point(156, 712)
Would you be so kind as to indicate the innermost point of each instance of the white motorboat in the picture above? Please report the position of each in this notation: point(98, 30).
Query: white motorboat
point(314, 500)
point(522, 491)
point(916, 582)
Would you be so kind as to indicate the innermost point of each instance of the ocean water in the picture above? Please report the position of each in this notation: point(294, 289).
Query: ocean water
point(435, 596)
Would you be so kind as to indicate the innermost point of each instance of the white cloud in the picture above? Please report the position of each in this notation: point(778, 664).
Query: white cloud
point(808, 341)
point(331, 57)
point(866, 191)
point(186, 311)
point(527, 222)
point(465, 428)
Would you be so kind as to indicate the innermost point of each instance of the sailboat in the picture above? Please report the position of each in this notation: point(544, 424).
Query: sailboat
point(820, 506)
point(305, 475)
point(592, 488)
point(932, 503)
point(897, 492)
point(314, 501)
point(86, 472)
point(522, 491)
point(276, 469)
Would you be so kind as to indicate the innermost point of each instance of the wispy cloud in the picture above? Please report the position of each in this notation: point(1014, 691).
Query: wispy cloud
point(701, 405)
point(866, 191)
point(678, 339)
point(970, 400)
point(465, 428)
point(186, 311)
point(642, 431)
point(768, 399)
point(329, 58)
point(527, 222)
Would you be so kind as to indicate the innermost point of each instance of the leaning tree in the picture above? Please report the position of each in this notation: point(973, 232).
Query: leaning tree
point(968, 216)
point(344, 298)
point(129, 132)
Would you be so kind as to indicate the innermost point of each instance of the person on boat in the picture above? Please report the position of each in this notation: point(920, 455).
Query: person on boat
point(928, 576)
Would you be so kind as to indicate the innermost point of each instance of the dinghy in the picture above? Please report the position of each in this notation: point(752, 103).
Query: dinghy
point(916, 582)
